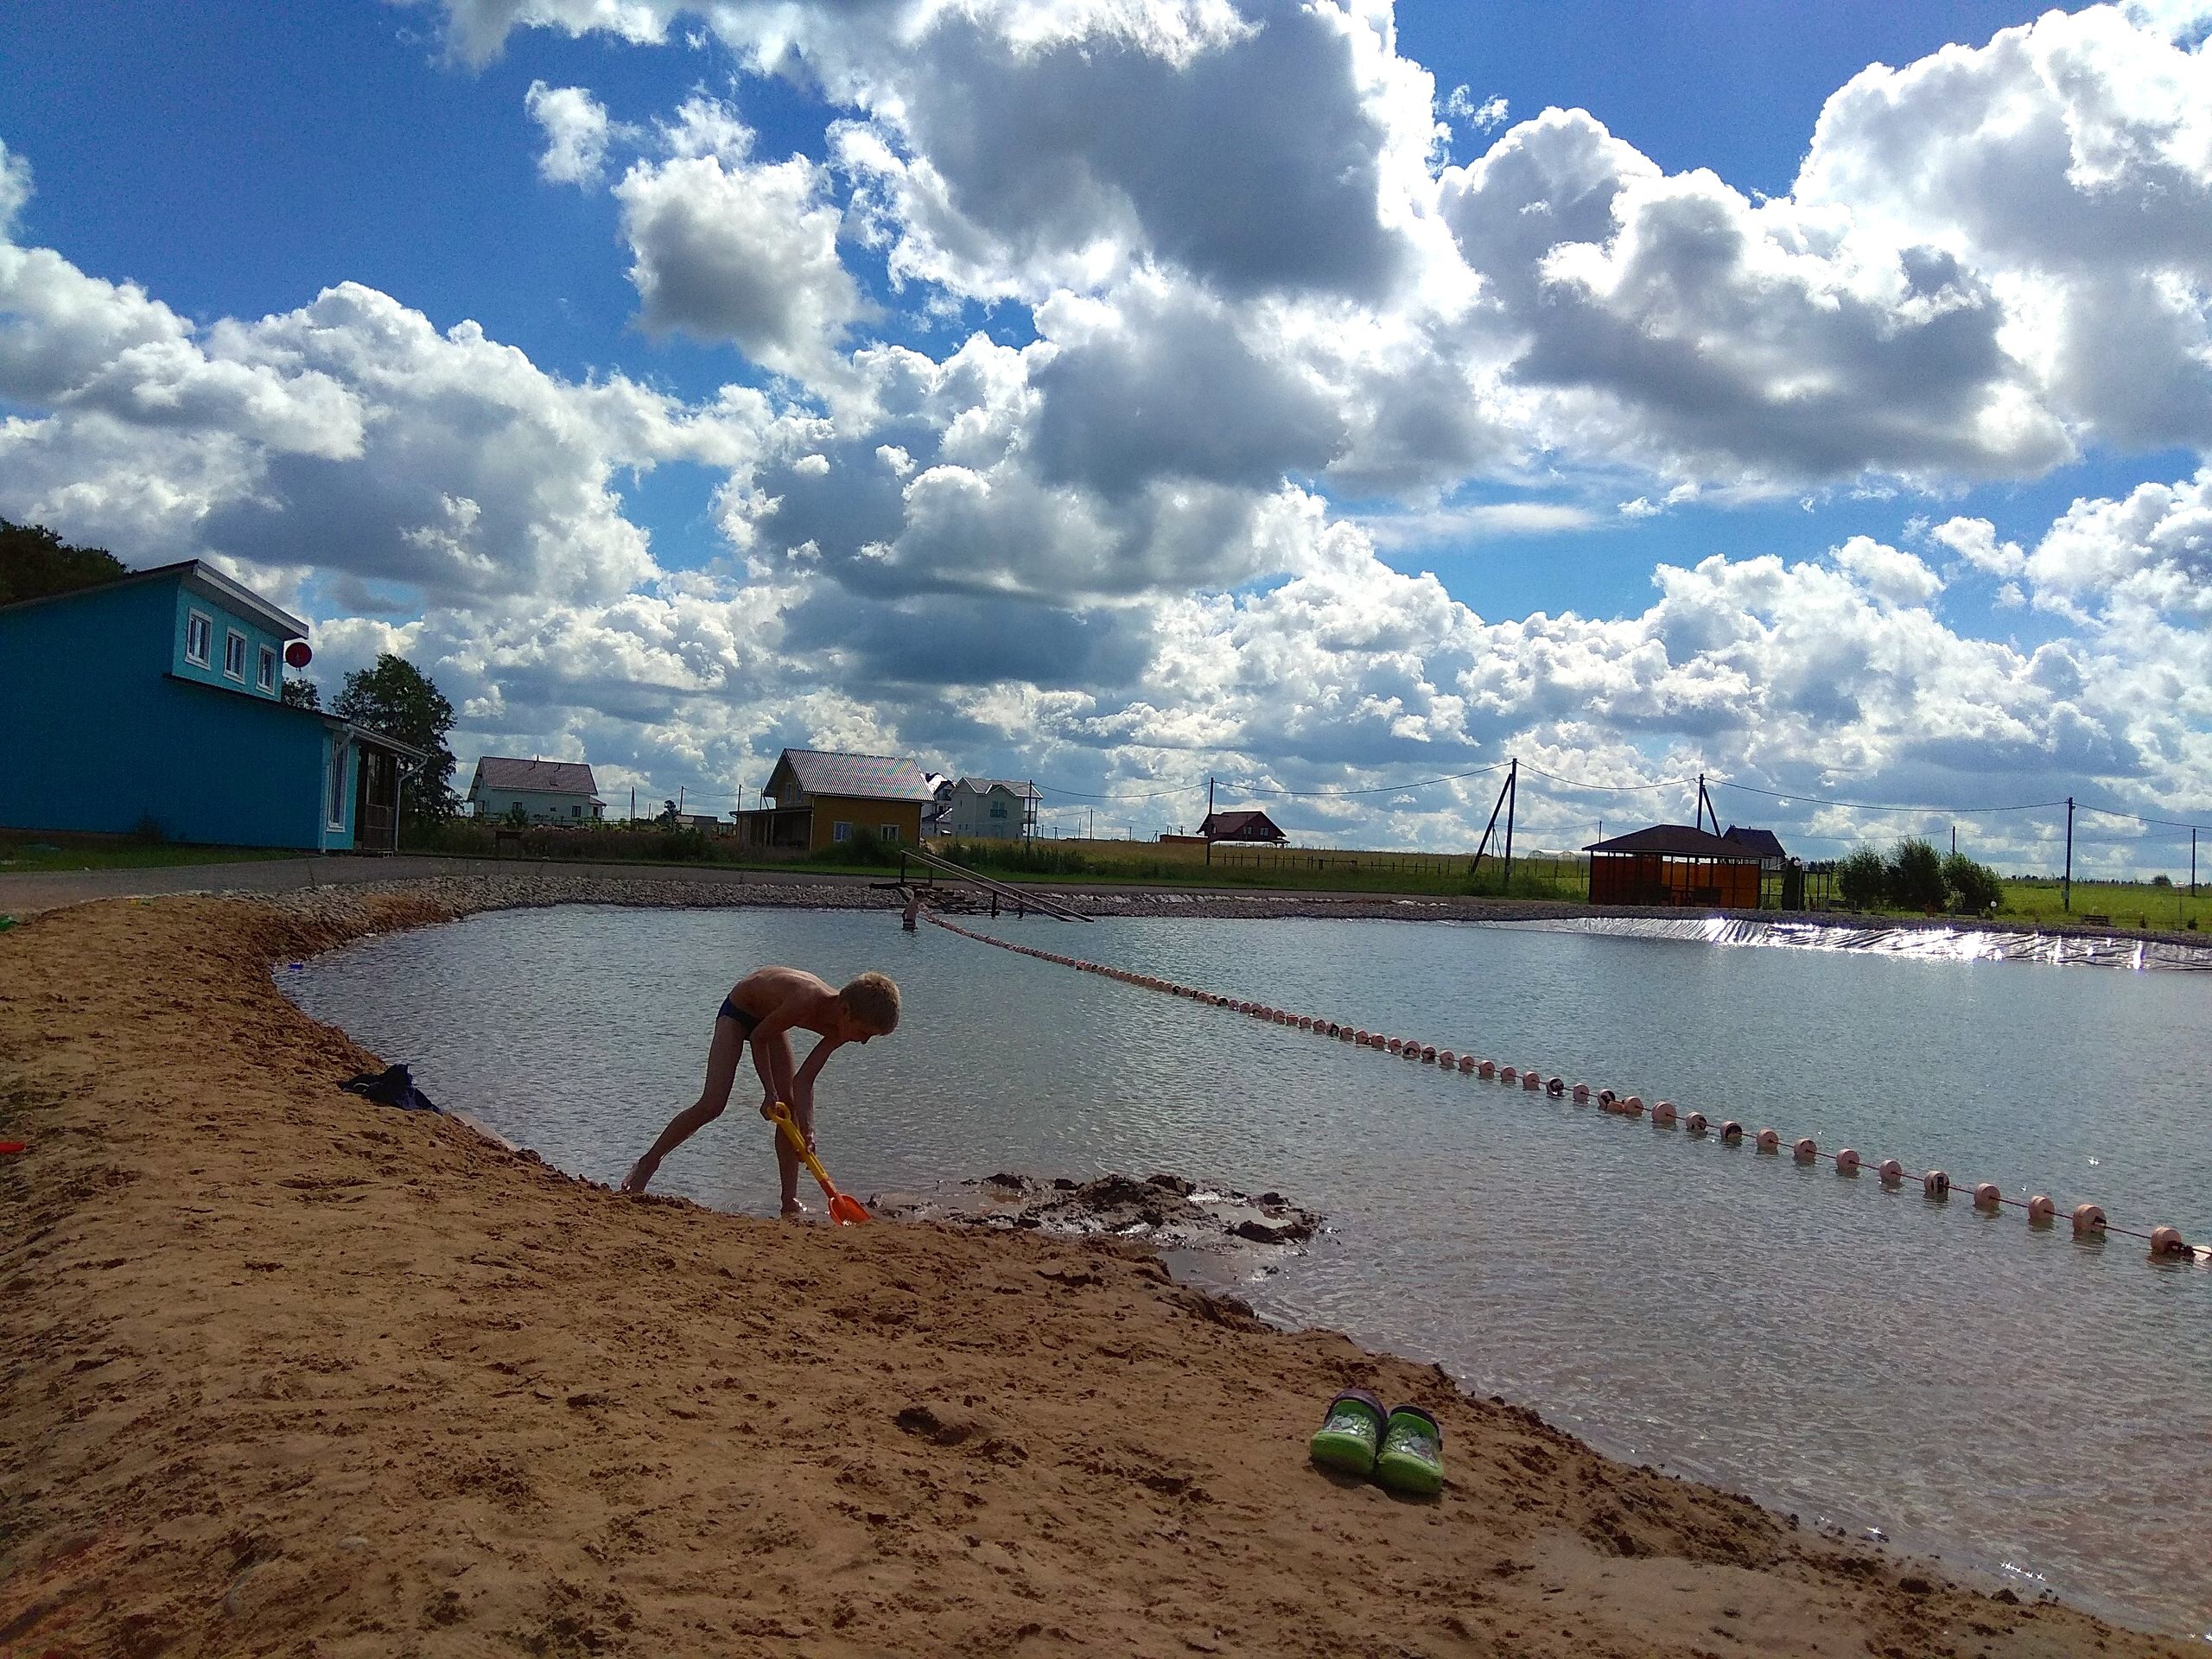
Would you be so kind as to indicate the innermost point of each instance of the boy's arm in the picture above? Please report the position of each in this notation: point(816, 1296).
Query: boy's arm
point(803, 1085)
point(772, 1060)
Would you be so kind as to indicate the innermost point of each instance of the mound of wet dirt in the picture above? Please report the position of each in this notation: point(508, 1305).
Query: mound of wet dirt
point(1166, 1211)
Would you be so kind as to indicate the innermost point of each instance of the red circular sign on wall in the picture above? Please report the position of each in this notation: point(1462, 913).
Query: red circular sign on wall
point(297, 654)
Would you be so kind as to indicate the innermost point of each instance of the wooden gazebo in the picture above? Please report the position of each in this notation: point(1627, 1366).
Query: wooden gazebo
point(1674, 864)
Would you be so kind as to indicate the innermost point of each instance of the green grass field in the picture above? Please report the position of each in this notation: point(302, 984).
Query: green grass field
point(2129, 904)
point(19, 856)
point(1292, 869)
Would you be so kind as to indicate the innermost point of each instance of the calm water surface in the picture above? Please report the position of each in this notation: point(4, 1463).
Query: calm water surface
point(2006, 1397)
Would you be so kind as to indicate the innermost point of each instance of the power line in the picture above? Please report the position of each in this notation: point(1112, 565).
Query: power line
point(2163, 823)
point(1878, 806)
point(1609, 789)
point(1379, 788)
point(1081, 795)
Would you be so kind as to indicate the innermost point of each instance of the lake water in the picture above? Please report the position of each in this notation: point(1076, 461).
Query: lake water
point(2006, 1397)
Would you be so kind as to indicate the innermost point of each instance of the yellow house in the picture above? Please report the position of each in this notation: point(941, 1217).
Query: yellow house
point(823, 798)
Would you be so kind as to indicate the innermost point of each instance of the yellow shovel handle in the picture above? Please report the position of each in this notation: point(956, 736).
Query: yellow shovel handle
point(789, 1128)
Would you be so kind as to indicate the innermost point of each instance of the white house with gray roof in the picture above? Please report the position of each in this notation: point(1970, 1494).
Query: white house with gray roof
point(992, 808)
point(547, 792)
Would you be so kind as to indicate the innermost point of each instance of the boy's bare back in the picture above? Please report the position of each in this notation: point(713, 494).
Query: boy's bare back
point(804, 999)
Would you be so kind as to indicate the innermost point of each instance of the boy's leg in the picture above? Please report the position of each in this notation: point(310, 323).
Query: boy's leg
point(722, 1056)
point(787, 1159)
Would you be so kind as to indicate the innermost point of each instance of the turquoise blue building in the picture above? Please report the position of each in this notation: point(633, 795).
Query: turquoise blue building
point(155, 701)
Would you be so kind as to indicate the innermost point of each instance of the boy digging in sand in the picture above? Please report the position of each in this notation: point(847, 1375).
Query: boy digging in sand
point(763, 1008)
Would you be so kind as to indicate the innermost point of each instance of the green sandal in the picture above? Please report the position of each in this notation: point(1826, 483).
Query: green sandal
point(1411, 1459)
point(1347, 1435)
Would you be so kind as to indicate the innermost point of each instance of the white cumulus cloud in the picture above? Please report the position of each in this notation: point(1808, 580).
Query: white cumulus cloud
point(577, 131)
point(729, 249)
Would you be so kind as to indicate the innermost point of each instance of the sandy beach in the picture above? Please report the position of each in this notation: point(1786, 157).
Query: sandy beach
point(291, 1373)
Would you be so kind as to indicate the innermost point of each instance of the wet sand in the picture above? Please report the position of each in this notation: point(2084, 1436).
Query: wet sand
point(289, 1372)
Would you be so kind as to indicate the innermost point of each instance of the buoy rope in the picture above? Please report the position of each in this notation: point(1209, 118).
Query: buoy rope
point(2088, 1221)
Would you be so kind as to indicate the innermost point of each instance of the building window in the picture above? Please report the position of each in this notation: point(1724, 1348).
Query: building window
point(234, 655)
point(576, 811)
point(841, 830)
point(338, 783)
point(198, 630)
point(268, 673)
point(888, 831)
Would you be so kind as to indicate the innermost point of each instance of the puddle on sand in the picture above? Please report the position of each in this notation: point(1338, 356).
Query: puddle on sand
point(1208, 1232)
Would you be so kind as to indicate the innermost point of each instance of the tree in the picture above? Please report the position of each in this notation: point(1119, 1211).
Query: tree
point(35, 563)
point(1976, 889)
point(302, 694)
point(1916, 876)
point(396, 698)
point(1862, 878)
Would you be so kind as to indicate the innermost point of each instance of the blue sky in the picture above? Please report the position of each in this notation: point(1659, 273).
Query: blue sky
point(655, 579)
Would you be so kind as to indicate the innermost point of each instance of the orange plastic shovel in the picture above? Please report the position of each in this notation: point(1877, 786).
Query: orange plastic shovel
point(844, 1209)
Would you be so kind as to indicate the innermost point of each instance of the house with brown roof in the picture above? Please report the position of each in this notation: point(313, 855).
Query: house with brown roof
point(547, 792)
point(824, 798)
point(1242, 826)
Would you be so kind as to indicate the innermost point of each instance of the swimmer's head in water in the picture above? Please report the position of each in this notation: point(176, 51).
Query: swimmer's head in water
point(873, 1001)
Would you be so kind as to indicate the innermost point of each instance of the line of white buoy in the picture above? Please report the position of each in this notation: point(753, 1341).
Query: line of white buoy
point(2088, 1220)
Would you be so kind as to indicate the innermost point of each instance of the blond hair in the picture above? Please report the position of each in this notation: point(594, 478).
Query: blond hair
point(874, 1001)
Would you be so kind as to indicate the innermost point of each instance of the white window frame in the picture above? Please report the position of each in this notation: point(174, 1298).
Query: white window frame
point(267, 674)
point(338, 773)
point(229, 635)
point(207, 638)
point(887, 832)
point(840, 830)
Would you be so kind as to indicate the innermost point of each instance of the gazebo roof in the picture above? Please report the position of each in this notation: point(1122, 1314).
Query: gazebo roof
point(1677, 840)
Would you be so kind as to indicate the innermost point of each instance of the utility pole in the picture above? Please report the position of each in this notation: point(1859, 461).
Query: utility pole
point(1207, 826)
point(679, 800)
point(1512, 800)
point(2066, 886)
point(1501, 804)
point(633, 802)
point(2192, 861)
point(1954, 841)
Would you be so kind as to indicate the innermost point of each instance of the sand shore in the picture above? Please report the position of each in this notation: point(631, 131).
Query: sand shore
point(287, 1372)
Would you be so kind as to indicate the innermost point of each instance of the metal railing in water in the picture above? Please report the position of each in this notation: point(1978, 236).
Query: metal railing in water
point(1022, 897)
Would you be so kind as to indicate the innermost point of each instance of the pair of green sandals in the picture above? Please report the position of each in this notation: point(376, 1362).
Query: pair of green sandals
point(1402, 1447)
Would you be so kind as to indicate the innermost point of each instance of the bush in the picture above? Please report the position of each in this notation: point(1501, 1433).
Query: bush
point(1915, 876)
point(2161, 881)
point(865, 847)
point(1862, 879)
point(1975, 890)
